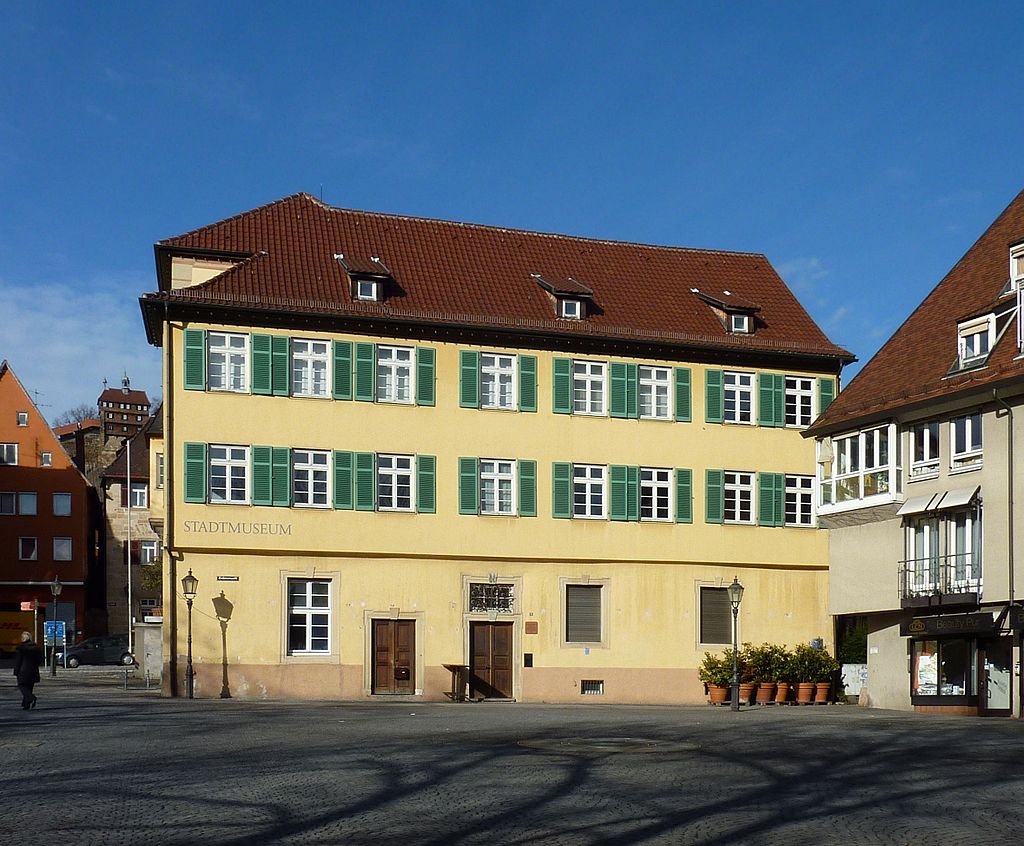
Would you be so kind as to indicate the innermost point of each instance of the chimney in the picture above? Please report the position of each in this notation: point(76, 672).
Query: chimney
point(80, 448)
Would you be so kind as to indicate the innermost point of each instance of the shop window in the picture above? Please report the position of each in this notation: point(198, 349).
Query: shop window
point(943, 668)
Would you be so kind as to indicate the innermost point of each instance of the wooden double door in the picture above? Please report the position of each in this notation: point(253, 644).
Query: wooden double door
point(394, 656)
point(490, 660)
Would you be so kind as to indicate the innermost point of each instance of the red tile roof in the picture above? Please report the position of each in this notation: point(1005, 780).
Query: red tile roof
point(119, 395)
point(482, 276)
point(913, 366)
point(71, 428)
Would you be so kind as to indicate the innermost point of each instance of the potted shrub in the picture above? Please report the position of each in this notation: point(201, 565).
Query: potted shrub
point(716, 673)
point(765, 665)
point(804, 668)
point(746, 673)
point(827, 669)
point(784, 677)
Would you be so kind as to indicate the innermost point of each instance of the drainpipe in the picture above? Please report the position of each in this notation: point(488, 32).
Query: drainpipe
point(172, 570)
point(1009, 499)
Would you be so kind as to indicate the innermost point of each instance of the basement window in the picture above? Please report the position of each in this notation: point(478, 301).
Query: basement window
point(592, 687)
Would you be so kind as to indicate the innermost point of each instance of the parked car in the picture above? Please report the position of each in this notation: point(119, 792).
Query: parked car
point(108, 649)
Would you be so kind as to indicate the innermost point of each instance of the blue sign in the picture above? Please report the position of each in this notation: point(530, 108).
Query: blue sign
point(55, 629)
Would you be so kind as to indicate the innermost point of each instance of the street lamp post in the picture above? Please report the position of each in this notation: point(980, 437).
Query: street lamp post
point(735, 598)
point(55, 588)
point(189, 585)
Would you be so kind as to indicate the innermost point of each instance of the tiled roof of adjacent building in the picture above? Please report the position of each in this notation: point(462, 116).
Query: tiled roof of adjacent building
point(477, 276)
point(118, 468)
point(913, 367)
point(71, 428)
point(120, 395)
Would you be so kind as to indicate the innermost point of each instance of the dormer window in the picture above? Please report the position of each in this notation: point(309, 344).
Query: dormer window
point(1017, 266)
point(570, 309)
point(739, 324)
point(366, 289)
point(975, 339)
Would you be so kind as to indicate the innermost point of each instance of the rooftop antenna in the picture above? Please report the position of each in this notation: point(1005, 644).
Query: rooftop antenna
point(35, 399)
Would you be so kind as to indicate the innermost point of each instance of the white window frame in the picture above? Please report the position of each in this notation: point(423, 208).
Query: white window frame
point(739, 324)
point(971, 457)
point(738, 498)
point(394, 374)
point(738, 390)
point(46, 459)
point(367, 289)
point(926, 436)
point(799, 401)
point(310, 367)
point(589, 491)
point(848, 456)
point(62, 549)
point(975, 339)
point(498, 381)
point(22, 418)
point(159, 470)
point(798, 505)
point(138, 494)
point(654, 392)
point(589, 387)
point(232, 358)
point(570, 309)
point(400, 470)
point(923, 549)
point(972, 551)
point(25, 497)
point(9, 454)
point(312, 468)
point(656, 487)
point(315, 603)
point(34, 556)
point(497, 487)
point(235, 462)
point(61, 512)
point(149, 552)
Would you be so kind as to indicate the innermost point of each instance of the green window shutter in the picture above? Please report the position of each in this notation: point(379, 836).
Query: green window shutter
point(426, 472)
point(780, 499)
point(766, 499)
point(617, 379)
point(342, 479)
point(713, 504)
point(684, 496)
point(633, 391)
point(281, 476)
point(261, 366)
point(469, 379)
point(195, 359)
point(619, 499)
point(683, 405)
point(261, 475)
point(561, 490)
point(281, 369)
point(342, 370)
point(780, 399)
point(365, 484)
point(195, 472)
point(766, 399)
point(561, 385)
point(826, 393)
point(632, 493)
point(527, 488)
point(528, 383)
point(713, 396)
point(424, 375)
point(366, 370)
point(469, 486)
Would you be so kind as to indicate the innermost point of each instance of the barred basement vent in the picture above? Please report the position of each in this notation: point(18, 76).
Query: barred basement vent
point(592, 687)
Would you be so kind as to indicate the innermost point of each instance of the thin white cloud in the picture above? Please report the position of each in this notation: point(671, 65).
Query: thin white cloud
point(64, 339)
point(837, 317)
point(804, 275)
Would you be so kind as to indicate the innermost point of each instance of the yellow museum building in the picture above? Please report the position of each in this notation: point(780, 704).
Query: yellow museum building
point(392, 444)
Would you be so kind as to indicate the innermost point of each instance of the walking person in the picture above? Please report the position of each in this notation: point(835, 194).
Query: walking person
point(28, 658)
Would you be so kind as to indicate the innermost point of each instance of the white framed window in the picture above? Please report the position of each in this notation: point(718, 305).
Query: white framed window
point(484, 596)
point(62, 505)
point(497, 381)
point(394, 374)
point(310, 367)
point(22, 417)
point(738, 397)
point(799, 401)
point(309, 617)
point(394, 482)
point(654, 392)
point(922, 565)
point(966, 448)
point(739, 324)
point(8, 503)
point(655, 493)
point(28, 549)
point(310, 478)
point(975, 339)
point(229, 473)
point(159, 469)
point(8, 453)
point(1017, 265)
point(62, 549)
point(862, 470)
point(149, 552)
point(738, 497)
point(497, 486)
point(799, 504)
point(139, 495)
point(588, 387)
point(583, 607)
point(570, 309)
point(227, 362)
point(28, 503)
point(589, 497)
point(964, 545)
point(148, 602)
point(46, 459)
point(366, 289)
point(924, 450)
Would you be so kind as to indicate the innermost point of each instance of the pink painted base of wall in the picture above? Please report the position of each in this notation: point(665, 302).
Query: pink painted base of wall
point(622, 685)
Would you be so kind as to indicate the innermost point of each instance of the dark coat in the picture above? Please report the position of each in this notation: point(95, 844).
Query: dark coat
point(28, 658)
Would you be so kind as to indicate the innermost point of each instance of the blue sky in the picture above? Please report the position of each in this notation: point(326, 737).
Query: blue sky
point(863, 148)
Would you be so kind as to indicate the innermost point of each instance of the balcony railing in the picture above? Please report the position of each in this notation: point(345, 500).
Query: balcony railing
point(941, 575)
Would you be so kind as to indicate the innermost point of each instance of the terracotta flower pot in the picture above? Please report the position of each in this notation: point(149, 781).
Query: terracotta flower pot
point(747, 692)
point(765, 693)
point(822, 693)
point(804, 693)
point(718, 694)
point(781, 693)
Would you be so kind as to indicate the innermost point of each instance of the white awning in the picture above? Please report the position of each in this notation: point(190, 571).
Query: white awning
point(958, 498)
point(938, 502)
point(919, 504)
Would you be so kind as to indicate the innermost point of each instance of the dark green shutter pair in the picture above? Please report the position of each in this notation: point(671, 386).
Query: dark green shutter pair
point(271, 365)
point(623, 388)
point(469, 380)
point(424, 372)
point(771, 399)
point(771, 499)
point(469, 486)
point(624, 495)
point(355, 481)
point(271, 476)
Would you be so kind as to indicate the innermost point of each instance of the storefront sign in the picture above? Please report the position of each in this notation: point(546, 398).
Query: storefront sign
point(226, 527)
point(948, 624)
point(1015, 619)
